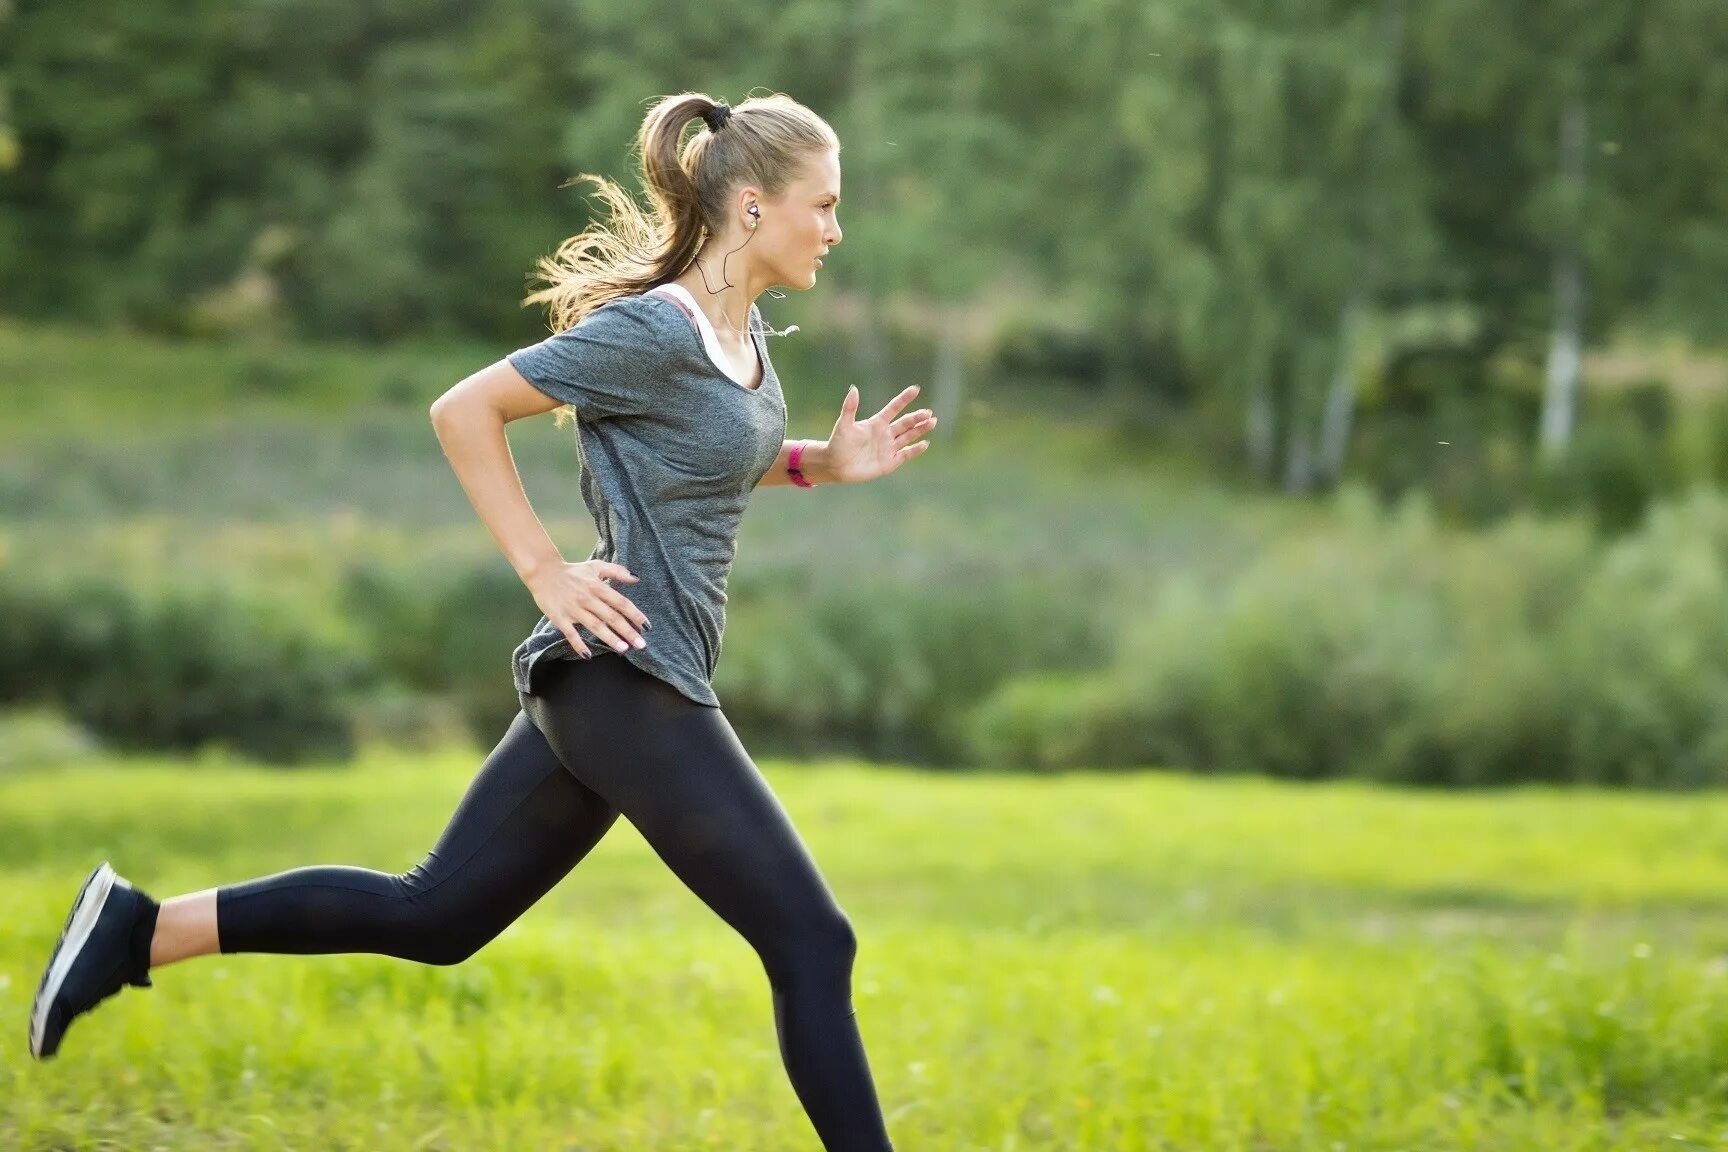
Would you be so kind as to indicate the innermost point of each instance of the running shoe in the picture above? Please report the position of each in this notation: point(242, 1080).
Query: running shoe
point(97, 955)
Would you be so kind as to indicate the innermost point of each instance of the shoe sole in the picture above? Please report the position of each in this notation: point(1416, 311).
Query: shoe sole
point(86, 909)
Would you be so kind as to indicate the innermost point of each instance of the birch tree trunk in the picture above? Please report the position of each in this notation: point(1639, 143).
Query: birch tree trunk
point(870, 345)
point(1560, 393)
point(950, 377)
point(1340, 411)
point(1298, 457)
point(967, 90)
point(1262, 430)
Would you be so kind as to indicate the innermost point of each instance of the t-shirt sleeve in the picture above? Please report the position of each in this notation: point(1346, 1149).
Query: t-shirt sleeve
point(608, 364)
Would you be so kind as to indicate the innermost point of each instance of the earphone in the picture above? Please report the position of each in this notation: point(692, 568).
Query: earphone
point(755, 219)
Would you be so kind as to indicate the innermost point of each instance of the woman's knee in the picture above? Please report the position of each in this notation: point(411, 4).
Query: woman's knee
point(823, 947)
point(447, 949)
point(442, 932)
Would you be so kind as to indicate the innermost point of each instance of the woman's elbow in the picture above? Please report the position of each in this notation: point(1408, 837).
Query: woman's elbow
point(457, 405)
point(495, 393)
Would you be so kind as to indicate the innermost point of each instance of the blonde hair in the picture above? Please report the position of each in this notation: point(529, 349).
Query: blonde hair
point(766, 142)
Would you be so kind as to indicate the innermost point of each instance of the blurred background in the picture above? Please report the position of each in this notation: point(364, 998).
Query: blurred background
point(1326, 389)
point(1334, 418)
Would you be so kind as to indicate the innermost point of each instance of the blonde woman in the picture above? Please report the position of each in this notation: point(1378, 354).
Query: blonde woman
point(659, 348)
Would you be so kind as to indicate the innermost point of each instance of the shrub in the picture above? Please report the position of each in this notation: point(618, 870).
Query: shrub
point(445, 629)
point(890, 670)
point(1393, 650)
point(179, 667)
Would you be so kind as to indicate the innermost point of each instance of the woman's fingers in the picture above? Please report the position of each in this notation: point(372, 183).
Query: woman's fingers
point(606, 636)
point(893, 406)
point(568, 627)
point(908, 432)
point(615, 634)
point(912, 424)
point(617, 571)
point(630, 615)
point(616, 626)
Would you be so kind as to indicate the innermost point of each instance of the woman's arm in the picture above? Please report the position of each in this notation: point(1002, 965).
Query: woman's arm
point(814, 465)
point(469, 421)
point(859, 450)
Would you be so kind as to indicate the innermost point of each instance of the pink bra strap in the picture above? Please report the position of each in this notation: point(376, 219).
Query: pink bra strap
point(686, 310)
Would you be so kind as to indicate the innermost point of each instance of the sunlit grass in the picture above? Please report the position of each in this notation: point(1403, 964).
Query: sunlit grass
point(1094, 961)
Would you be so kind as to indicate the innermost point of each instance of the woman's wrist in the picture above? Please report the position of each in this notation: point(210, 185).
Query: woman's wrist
point(812, 462)
point(538, 566)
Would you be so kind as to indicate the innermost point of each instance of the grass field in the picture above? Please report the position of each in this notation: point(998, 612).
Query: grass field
point(1088, 962)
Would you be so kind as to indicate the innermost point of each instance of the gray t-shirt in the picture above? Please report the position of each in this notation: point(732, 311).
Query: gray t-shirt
point(671, 447)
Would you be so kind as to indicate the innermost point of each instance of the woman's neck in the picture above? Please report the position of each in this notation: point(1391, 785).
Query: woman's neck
point(727, 310)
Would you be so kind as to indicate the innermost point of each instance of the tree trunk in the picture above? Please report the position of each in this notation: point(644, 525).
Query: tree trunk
point(950, 377)
point(1341, 396)
point(1262, 429)
point(1340, 413)
point(1560, 393)
point(871, 346)
point(1298, 458)
point(872, 285)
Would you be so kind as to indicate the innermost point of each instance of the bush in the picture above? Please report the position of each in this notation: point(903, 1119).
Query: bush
point(1612, 470)
point(1393, 650)
point(889, 670)
point(37, 737)
point(446, 630)
point(1647, 654)
point(179, 667)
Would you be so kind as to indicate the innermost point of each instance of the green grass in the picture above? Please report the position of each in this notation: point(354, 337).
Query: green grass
point(63, 377)
point(1095, 961)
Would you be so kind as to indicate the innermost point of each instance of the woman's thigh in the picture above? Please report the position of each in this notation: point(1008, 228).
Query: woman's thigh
point(677, 771)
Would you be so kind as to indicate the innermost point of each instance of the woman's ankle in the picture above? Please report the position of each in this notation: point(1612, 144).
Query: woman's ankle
point(185, 927)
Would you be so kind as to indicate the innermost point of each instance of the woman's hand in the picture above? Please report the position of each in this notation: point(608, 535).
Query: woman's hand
point(860, 450)
point(572, 594)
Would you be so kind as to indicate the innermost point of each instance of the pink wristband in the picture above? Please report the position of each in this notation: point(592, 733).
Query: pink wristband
point(792, 461)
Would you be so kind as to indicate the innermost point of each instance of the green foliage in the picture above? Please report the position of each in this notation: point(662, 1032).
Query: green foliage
point(1236, 200)
point(41, 738)
point(430, 625)
point(889, 670)
point(1407, 653)
point(1648, 649)
point(179, 666)
point(1613, 471)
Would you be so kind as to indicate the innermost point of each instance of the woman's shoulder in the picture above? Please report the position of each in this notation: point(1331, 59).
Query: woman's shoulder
point(638, 316)
point(648, 305)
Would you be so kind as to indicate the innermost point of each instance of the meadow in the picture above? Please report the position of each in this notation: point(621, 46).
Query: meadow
point(1086, 961)
point(1091, 956)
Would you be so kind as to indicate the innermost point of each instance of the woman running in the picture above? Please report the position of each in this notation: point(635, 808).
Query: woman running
point(659, 348)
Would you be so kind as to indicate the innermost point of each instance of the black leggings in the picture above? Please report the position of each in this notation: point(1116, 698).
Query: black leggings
point(602, 738)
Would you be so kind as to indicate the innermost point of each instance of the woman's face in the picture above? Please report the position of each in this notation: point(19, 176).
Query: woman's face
point(799, 226)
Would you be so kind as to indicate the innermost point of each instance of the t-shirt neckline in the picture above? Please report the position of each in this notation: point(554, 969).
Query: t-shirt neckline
point(710, 339)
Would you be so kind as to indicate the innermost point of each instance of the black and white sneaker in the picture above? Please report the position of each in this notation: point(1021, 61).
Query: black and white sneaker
point(104, 946)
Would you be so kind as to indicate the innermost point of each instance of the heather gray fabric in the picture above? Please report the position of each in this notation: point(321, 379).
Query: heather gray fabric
point(671, 448)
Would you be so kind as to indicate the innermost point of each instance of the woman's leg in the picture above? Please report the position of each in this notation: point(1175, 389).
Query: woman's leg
point(523, 824)
point(185, 927)
point(677, 771)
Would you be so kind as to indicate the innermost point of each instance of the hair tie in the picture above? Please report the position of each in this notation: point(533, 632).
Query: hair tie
point(717, 116)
